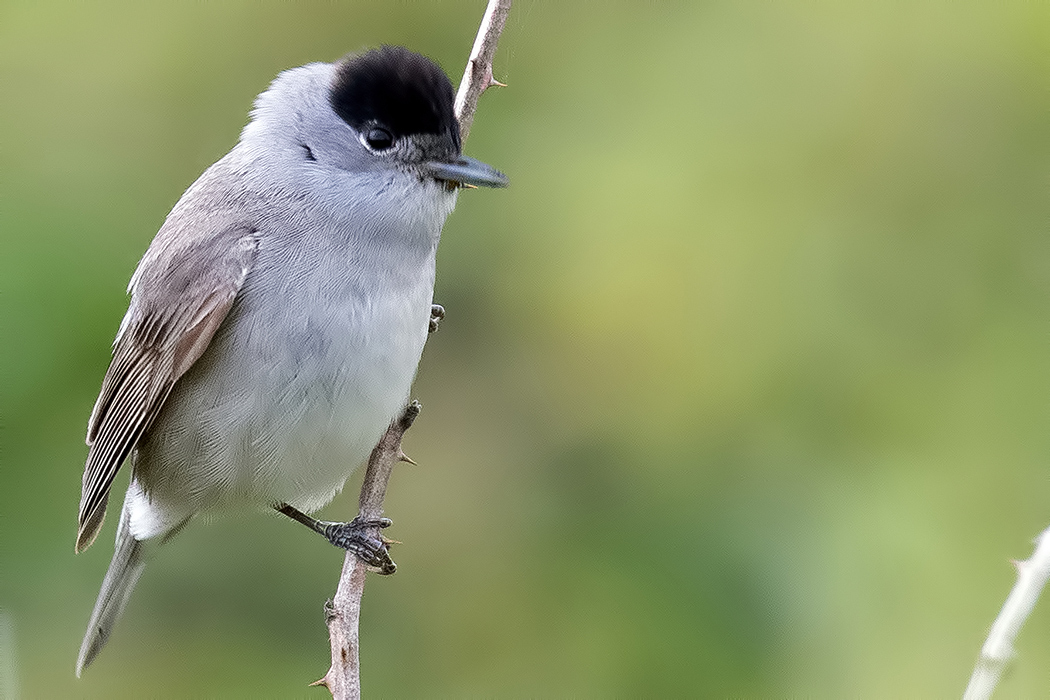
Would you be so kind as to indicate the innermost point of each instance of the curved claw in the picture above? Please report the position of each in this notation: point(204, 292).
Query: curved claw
point(356, 536)
point(437, 313)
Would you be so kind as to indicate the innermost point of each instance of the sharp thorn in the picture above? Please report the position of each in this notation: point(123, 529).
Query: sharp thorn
point(405, 458)
point(495, 83)
point(320, 681)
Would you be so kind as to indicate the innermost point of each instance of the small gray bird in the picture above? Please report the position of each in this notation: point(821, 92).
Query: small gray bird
point(278, 317)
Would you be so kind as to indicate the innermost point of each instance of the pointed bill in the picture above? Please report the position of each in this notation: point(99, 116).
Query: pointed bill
point(466, 171)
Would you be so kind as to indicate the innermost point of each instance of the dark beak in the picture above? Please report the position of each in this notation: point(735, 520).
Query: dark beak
point(466, 171)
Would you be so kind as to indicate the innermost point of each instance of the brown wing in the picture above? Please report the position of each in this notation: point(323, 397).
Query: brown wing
point(181, 292)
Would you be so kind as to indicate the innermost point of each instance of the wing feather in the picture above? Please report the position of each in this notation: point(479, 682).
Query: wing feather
point(183, 289)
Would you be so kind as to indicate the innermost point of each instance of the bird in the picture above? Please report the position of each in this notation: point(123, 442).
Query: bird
point(277, 319)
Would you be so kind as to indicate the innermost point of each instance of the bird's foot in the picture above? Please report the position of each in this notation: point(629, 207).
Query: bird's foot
point(437, 312)
point(358, 536)
point(362, 538)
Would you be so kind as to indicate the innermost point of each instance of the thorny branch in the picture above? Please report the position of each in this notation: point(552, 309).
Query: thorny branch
point(1032, 575)
point(477, 78)
point(343, 612)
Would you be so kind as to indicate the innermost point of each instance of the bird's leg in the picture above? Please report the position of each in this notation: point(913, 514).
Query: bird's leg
point(357, 536)
point(437, 312)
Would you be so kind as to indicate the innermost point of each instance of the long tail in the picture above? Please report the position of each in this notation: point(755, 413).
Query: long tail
point(124, 572)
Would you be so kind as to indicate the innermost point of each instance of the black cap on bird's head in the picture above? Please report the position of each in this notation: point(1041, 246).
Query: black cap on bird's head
point(391, 93)
point(403, 91)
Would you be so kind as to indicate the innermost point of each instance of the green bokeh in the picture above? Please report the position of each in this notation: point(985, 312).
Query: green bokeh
point(744, 389)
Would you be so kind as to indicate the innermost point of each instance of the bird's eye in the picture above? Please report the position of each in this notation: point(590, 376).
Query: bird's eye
point(379, 139)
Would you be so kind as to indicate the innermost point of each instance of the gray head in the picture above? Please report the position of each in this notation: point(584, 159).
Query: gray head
point(381, 110)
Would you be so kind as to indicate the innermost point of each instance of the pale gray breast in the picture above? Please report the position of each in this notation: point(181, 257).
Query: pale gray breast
point(315, 358)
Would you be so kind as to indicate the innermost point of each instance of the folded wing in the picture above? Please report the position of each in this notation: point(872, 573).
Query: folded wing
point(181, 292)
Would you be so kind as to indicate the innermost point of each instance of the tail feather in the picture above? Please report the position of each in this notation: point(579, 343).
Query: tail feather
point(124, 571)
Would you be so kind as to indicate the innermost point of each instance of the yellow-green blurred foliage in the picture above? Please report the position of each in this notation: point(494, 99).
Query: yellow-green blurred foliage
point(744, 388)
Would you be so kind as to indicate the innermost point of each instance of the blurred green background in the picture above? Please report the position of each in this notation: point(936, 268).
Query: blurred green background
point(744, 388)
